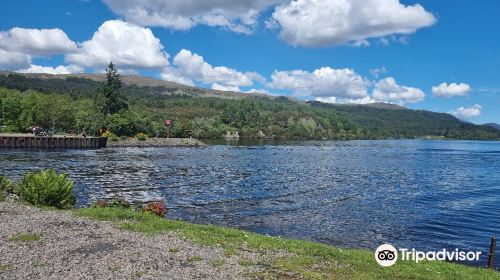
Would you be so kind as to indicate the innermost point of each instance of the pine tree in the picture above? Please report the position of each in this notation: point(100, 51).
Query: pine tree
point(114, 97)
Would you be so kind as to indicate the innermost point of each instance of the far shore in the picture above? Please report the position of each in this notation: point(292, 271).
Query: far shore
point(156, 142)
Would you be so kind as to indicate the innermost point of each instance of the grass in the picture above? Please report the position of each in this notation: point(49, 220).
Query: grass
point(307, 260)
point(25, 237)
point(218, 262)
point(195, 259)
point(174, 250)
point(5, 267)
point(38, 264)
point(246, 262)
point(113, 268)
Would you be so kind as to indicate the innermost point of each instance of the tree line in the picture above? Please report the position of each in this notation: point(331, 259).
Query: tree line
point(81, 105)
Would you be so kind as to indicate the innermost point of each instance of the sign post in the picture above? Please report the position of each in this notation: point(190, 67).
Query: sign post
point(168, 124)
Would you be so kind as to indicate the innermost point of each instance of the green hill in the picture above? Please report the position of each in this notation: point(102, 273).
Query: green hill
point(494, 125)
point(65, 102)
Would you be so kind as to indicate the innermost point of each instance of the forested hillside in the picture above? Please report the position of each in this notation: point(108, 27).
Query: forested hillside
point(69, 104)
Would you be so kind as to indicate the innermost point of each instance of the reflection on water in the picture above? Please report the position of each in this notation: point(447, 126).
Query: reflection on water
point(416, 194)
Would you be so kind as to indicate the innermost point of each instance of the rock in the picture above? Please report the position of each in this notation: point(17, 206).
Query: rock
point(261, 134)
point(232, 136)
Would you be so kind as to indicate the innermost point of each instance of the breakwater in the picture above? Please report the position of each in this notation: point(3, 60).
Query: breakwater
point(27, 141)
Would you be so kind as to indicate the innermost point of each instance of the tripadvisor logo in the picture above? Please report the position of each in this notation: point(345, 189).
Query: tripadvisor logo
point(387, 255)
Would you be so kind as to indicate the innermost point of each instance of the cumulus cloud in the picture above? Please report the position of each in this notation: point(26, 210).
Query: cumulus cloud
point(324, 82)
point(333, 99)
point(37, 42)
point(451, 90)
point(188, 67)
point(260, 90)
point(13, 60)
point(127, 45)
point(173, 75)
point(70, 69)
point(236, 15)
point(387, 90)
point(315, 23)
point(467, 113)
point(225, 88)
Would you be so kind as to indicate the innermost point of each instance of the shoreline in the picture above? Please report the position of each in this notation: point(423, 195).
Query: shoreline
point(156, 142)
point(107, 243)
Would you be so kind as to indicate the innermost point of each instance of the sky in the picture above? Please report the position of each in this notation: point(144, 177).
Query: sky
point(442, 56)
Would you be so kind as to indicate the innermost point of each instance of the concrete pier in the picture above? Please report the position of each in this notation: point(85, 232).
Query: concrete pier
point(28, 141)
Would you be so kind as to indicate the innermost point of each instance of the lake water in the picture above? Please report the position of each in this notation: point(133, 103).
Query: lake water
point(418, 194)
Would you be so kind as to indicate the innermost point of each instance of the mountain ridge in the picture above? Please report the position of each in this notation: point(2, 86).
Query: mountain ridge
point(494, 125)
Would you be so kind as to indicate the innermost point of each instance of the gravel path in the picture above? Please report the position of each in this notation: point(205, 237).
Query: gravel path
point(156, 142)
point(78, 248)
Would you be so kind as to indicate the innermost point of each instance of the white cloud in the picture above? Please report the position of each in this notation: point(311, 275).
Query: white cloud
point(225, 88)
point(467, 113)
point(333, 99)
point(450, 90)
point(387, 90)
point(188, 67)
point(323, 82)
point(13, 60)
point(376, 72)
point(236, 15)
point(37, 42)
point(52, 70)
point(361, 43)
point(125, 44)
point(173, 75)
point(259, 90)
point(488, 89)
point(314, 23)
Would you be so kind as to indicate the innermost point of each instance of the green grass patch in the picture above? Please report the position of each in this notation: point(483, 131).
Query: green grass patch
point(5, 267)
point(113, 268)
point(230, 250)
point(218, 262)
point(195, 259)
point(38, 264)
point(308, 260)
point(174, 250)
point(25, 237)
point(246, 262)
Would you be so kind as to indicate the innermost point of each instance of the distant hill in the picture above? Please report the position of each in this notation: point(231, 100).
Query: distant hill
point(90, 82)
point(209, 113)
point(494, 125)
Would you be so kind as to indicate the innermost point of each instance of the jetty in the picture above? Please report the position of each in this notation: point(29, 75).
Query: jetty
point(29, 141)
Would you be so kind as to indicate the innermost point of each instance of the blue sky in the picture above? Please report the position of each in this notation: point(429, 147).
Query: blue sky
point(310, 49)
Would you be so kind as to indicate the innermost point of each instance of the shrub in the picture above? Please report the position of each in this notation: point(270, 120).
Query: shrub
point(141, 136)
point(47, 188)
point(122, 123)
point(115, 202)
point(5, 186)
point(156, 207)
point(111, 136)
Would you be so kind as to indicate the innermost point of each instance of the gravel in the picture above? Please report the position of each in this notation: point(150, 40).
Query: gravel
point(156, 142)
point(77, 248)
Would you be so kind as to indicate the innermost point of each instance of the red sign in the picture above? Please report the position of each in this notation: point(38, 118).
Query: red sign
point(168, 122)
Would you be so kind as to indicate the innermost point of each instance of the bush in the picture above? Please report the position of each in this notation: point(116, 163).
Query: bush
point(5, 186)
point(156, 207)
point(111, 136)
point(47, 188)
point(122, 123)
point(141, 136)
point(115, 202)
